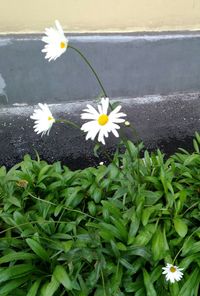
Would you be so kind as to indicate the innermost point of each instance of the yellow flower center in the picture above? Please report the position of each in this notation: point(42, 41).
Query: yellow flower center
point(173, 269)
point(50, 118)
point(103, 119)
point(62, 44)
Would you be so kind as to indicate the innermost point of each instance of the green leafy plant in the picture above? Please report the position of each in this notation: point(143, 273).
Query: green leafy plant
point(101, 231)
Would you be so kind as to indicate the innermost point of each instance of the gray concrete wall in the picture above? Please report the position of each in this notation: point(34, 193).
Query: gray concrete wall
point(128, 65)
point(156, 77)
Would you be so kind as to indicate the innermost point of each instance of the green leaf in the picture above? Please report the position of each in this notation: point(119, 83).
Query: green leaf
point(134, 226)
point(15, 271)
point(13, 200)
point(111, 207)
point(174, 289)
point(185, 263)
point(62, 277)
point(140, 292)
point(113, 171)
point(131, 286)
point(180, 227)
point(84, 289)
point(116, 280)
point(94, 276)
point(158, 245)
point(100, 291)
point(197, 137)
point(38, 249)
point(139, 251)
point(155, 181)
point(121, 246)
point(156, 273)
point(148, 284)
point(190, 247)
point(191, 159)
point(112, 229)
point(147, 212)
point(11, 286)
point(58, 209)
point(191, 283)
point(92, 208)
point(132, 149)
point(132, 268)
point(106, 235)
point(67, 245)
point(34, 288)
point(196, 146)
point(119, 224)
point(42, 172)
point(54, 185)
point(14, 256)
point(97, 194)
point(49, 289)
point(145, 235)
point(115, 249)
point(19, 218)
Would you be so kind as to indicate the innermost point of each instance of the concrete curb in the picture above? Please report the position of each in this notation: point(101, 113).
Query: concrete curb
point(129, 65)
point(165, 122)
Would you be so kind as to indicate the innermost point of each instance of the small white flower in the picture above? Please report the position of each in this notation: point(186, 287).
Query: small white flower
point(56, 42)
point(43, 119)
point(101, 122)
point(172, 273)
point(101, 163)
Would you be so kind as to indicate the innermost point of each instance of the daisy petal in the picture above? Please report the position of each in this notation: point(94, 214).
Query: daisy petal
point(43, 119)
point(56, 42)
point(105, 105)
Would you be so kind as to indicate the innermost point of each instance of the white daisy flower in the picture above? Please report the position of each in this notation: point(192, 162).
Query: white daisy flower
point(56, 42)
point(101, 122)
point(172, 273)
point(43, 119)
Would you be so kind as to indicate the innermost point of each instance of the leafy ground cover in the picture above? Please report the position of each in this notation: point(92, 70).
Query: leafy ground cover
point(102, 231)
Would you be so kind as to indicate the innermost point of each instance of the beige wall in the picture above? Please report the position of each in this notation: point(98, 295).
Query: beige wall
point(18, 16)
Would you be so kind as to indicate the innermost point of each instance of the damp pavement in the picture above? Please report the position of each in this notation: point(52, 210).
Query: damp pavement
point(164, 122)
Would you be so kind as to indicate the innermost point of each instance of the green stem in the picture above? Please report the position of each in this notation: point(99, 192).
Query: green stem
point(64, 207)
point(91, 68)
point(67, 122)
point(192, 206)
point(135, 133)
point(103, 283)
point(182, 246)
point(32, 222)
